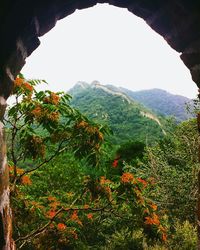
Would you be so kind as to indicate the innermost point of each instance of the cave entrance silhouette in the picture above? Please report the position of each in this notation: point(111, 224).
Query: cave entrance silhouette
point(22, 22)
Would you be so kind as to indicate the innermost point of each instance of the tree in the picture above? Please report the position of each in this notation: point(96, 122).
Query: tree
point(174, 164)
point(60, 186)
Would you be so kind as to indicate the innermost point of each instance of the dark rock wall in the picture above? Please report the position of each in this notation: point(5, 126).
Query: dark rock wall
point(22, 22)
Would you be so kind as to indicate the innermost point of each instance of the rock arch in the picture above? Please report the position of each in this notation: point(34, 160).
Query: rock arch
point(22, 22)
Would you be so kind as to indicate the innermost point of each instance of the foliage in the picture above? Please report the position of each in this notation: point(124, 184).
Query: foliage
point(163, 103)
point(122, 115)
point(63, 189)
point(130, 151)
point(185, 236)
point(174, 165)
point(71, 190)
point(43, 125)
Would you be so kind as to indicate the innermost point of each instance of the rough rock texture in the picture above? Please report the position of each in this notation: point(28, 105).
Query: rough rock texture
point(22, 22)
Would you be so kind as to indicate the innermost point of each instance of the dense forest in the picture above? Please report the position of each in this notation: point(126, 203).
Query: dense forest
point(79, 180)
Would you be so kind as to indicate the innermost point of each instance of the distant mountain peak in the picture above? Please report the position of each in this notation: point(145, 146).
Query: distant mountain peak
point(95, 82)
point(108, 90)
point(81, 84)
point(157, 100)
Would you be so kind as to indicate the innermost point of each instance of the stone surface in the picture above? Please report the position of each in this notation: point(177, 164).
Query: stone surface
point(22, 22)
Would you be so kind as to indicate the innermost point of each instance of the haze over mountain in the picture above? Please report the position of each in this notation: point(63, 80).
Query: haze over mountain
point(162, 102)
point(128, 119)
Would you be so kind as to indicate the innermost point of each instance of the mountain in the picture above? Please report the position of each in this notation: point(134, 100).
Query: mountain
point(128, 119)
point(162, 102)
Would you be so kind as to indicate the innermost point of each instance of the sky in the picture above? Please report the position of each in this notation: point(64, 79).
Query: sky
point(112, 46)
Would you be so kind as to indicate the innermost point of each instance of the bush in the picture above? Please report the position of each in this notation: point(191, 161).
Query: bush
point(185, 237)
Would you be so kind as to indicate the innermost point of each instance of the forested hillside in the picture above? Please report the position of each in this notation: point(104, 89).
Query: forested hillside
point(162, 102)
point(128, 119)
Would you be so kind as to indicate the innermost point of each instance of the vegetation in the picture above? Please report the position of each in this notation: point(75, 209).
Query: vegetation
point(71, 189)
point(125, 117)
point(162, 102)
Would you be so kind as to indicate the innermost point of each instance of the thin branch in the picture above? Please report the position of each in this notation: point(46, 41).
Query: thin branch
point(7, 121)
point(43, 228)
point(58, 151)
point(14, 159)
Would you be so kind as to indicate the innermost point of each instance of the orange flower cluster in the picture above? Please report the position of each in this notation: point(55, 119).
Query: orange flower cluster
point(91, 130)
point(163, 231)
point(52, 99)
point(35, 205)
point(100, 136)
point(61, 226)
point(42, 113)
point(25, 180)
point(27, 86)
point(18, 170)
point(115, 163)
point(74, 217)
point(54, 204)
point(153, 220)
point(11, 168)
point(104, 181)
point(142, 181)
point(105, 186)
point(154, 206)
point(51, 198)
point(19, 82)
point(51, 213)
point(53, 116)
point(90, 216)
point(164, 236)
point(82, 124)
point(86, 206)
point(11, 171)
point(127, 177)
point(37, 112)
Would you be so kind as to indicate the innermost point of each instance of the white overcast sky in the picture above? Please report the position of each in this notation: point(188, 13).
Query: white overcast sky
point(111, 45)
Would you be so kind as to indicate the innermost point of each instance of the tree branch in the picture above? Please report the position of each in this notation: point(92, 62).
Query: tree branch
point(58, 151)
point(43, 228)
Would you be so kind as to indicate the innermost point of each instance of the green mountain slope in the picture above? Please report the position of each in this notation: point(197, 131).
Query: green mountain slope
point(162, 102)
point(128, 119)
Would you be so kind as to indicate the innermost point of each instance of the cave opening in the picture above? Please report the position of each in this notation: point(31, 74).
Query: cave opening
point(176, 21)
